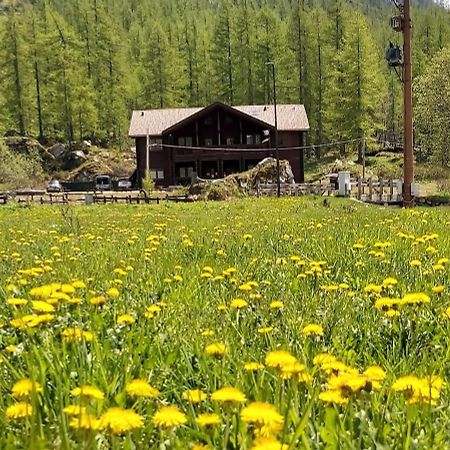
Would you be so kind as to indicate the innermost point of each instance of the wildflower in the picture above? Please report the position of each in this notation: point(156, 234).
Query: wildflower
point(438, 289)
point(25, 387)
point(253, 366)
point(169, 417)
point(76, 334)
point(333, 396)
point(268, 443)
point(216, 349)
point(207, 333)
point(120, 420)
point(84, 421)
point(415, 298)
point(113, 292)
point(287, 370)
point(415, 263)
point(97, 301)
point(88, 391)
point(277, 304)
point(265, 330)
point(279, 358)
point(312, 330)
point(74, 410)
point(323, 358)
point(125, 319)
point(141, 388)
point(19, 410)
point(375, 373)
point(228, 395)
point(238, 303)
point(261, 414)
point(208, 420)
point(194, 396)
point(17, 301)
point(391, 313)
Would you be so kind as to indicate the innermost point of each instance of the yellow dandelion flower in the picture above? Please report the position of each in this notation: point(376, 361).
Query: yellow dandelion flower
point(120, 420)
point(194, 396)
point(141, 388)
point(238, 303)
point(438, 289)
point(76, 334)
point(19, 410)
point(415, 263)
point(268, 443)
point(279, 358)
point(84, 421)
point(263, 416)
point(265, 330)
point(312, 330)
point(415, 298)
point(125, 319)
point(17, 301)
point(228, 395)
point(208, 419)
point(333, 397)
point(253, 366)
point(41, 306)
point(391, 313)
point(216, 349)
point(88, 392)
point(25, 387)
point(276, 304)
point(113, 292)
point(74, 410)
point(207, 333)
point(375, 373)
point(169, 417)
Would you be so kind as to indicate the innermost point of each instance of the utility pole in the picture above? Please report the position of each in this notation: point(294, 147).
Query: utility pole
point(408, 138)
point(403, 24)
point(277, 152)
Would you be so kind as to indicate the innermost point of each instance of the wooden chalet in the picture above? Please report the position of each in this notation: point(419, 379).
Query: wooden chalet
point(215, 141)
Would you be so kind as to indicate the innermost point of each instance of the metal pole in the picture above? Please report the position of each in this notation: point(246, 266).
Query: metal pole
point(147, 161)
point(408, 153)
point(277, 152)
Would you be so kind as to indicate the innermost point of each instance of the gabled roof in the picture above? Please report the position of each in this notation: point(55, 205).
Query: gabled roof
point(156, 121)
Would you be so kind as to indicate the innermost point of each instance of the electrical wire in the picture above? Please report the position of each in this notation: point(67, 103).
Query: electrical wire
point(255, 150)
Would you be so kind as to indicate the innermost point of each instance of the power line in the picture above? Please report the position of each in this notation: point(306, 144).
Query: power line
point(255, 150)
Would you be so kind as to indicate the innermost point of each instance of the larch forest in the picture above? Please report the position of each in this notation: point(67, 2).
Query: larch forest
point(73, 69)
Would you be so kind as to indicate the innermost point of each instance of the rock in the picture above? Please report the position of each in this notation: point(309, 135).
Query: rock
point(75, 159)
point(57, 150)
point(237, 184)
point(24, 145)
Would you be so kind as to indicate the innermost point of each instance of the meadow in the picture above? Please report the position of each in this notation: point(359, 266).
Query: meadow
point(252, 324)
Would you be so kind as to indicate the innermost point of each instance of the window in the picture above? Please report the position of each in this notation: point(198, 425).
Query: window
point(185, 141)
point(249, 139)
point(230, 141)
point(208, 142)
point(186, 172)
point(157, 174)
point(257, 139)
point(156, 145)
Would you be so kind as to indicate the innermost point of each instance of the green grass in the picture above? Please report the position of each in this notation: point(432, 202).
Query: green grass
point(89, 243)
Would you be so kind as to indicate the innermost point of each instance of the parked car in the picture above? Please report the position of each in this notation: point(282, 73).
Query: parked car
point(54, 186)
point(124, 184)
point(103, 183)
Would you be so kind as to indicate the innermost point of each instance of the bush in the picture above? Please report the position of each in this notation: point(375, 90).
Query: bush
point(20, 171)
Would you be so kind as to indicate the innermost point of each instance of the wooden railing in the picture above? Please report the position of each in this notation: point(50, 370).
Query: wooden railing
point(296, 189)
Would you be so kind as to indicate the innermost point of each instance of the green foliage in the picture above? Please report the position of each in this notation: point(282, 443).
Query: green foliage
point(433, 110)
point(73, 69)
point(20, 170)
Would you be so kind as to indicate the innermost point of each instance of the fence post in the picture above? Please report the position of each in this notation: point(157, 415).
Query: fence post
point(359, 188)
point(370, 189)
point(391, 190)
point(381, 189)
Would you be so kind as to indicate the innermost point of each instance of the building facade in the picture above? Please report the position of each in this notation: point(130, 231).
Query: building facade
point(175, 145)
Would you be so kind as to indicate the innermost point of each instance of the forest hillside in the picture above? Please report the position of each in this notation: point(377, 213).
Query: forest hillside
point(75, 69)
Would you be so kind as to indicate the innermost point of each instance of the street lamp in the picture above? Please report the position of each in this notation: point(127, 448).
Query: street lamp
point(402, 23)
point(277, 153)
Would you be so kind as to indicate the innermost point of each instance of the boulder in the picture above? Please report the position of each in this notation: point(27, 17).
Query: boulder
point(241, 183)
point(57, 150)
